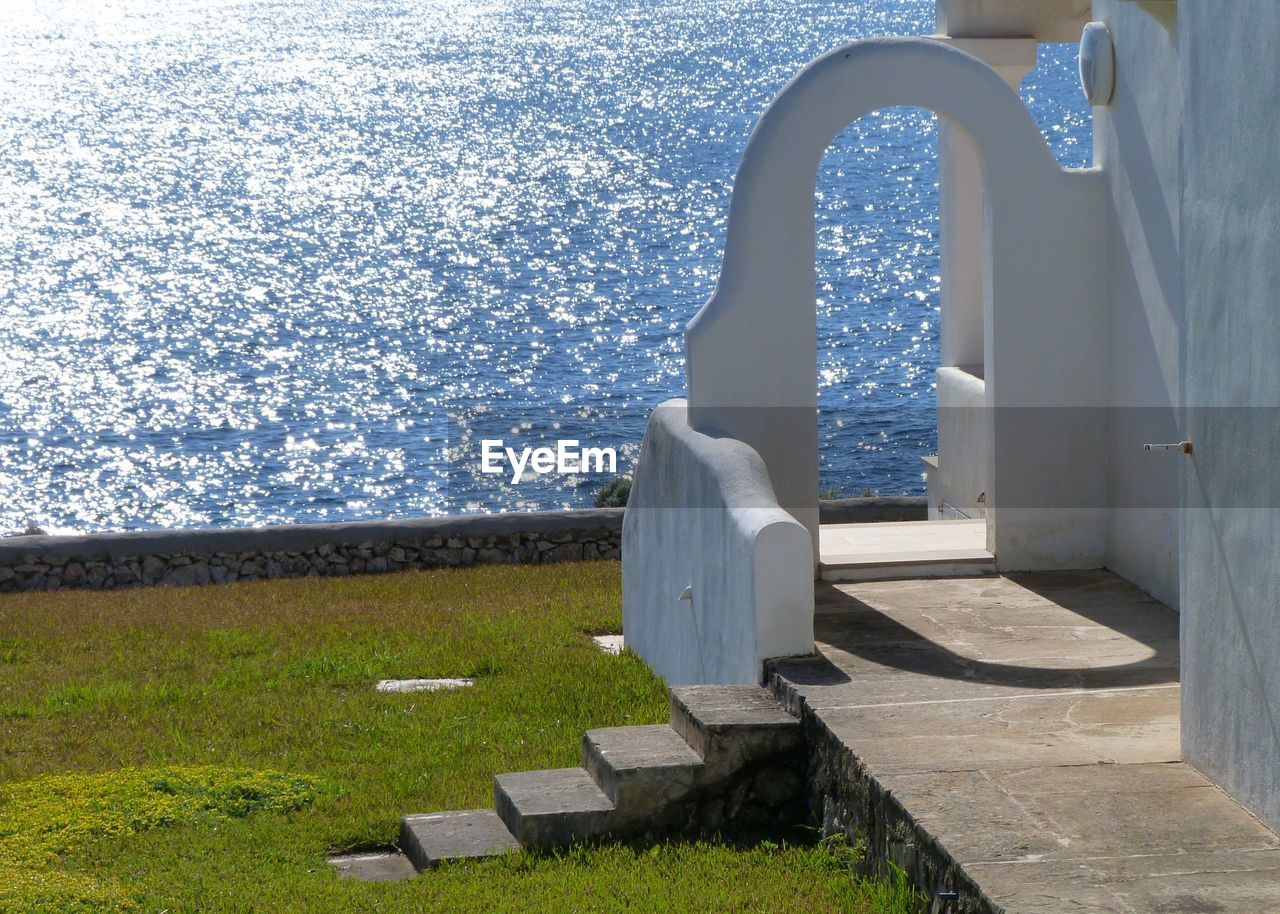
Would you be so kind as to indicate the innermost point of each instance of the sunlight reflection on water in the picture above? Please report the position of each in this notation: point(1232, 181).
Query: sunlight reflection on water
point(261, 259)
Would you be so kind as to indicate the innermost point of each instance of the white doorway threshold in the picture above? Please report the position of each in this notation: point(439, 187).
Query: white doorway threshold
point(906, 549)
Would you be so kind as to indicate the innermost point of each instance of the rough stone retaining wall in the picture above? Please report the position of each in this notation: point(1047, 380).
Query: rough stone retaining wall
point(843, 799)
point(185, 557)
point(763, 800)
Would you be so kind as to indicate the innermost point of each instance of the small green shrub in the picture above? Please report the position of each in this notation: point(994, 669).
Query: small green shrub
point(615, 493)
point(44, 819)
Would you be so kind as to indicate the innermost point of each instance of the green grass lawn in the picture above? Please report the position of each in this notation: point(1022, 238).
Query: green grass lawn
point(204, 749)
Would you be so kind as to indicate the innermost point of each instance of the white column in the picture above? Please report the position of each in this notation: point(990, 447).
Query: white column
point(961, 208)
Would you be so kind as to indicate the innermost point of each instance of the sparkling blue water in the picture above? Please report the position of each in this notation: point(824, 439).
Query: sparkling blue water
point(284, 262)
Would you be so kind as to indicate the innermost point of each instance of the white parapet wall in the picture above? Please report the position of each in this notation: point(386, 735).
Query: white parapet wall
point(962, 476)
point(716, 577)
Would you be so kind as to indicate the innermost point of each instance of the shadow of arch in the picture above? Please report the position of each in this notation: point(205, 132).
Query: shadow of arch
point(849, 624)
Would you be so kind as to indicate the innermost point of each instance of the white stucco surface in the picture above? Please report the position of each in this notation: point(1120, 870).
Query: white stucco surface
point(1136, 142)
point(703, 522)
point(1230, 223)
point(962, 213)
point(1104, 309)
point(1044, 20)
point(963, 474)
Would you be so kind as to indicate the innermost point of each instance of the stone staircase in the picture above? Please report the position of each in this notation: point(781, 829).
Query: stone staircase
point(730, 760)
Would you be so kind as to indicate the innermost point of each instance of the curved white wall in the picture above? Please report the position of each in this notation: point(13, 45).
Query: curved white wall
point(706, 510)
point(702, 515)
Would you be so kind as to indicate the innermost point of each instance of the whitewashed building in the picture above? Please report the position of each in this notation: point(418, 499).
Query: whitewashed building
point(1086, 314)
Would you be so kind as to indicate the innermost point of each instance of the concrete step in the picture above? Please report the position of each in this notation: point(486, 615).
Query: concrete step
point(552, 808)
point(914, 549)
point(943, 566)
point(731, 727)
point(650, 780)
point(641, 769)
point(428, 839)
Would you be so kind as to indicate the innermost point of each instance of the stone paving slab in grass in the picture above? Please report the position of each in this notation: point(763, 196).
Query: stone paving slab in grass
point(422, 685)
point(376, 866)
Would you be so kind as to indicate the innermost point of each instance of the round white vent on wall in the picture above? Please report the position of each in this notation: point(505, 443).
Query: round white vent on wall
point(1097, 64)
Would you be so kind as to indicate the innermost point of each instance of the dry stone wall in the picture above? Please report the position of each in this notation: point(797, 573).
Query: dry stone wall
point(189, 557)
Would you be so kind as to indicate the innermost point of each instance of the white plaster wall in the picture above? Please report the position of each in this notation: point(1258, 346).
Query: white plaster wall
point(1230, 223)
point(960, 209)
point(1046, 378)
point(961, 255)
point(1136, 140)
point(964, 442)
point(703, 515)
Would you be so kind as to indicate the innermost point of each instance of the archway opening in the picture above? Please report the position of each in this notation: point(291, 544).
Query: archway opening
point(877, 304)
point(901, 363)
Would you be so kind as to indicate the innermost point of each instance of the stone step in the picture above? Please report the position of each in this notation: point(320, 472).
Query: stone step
point(646, 780)
point(641, 769)
point(431, 838)
point(552, 808)
point(915, 549)
point(732, 726)
point(942, 566)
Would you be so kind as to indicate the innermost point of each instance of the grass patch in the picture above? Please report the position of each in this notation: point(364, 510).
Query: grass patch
point(115, 690)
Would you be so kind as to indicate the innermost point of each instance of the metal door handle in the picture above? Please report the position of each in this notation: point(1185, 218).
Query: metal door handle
point(1183, 446)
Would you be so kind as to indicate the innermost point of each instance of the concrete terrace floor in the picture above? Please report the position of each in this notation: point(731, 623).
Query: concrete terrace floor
point(1029, 724)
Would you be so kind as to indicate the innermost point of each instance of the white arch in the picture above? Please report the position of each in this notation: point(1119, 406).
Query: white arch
point(751, 352)
point(716, 576)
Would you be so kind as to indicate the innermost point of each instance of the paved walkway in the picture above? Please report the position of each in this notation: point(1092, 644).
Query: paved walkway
point(1030, 725)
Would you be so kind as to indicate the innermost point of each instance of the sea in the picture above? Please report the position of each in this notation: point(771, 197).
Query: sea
point(270, 262)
